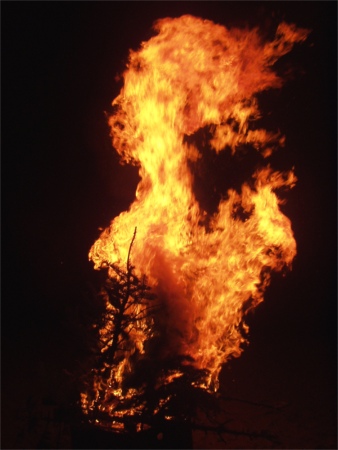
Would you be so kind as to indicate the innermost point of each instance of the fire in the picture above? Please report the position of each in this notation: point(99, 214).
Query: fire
point(207, 270)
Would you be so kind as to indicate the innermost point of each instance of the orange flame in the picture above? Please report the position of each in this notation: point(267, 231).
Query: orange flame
point(196, 74)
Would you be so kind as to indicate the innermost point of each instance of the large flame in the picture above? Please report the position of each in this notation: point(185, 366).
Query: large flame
point(207, 269)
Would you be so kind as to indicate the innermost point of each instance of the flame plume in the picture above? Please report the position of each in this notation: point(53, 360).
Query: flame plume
point(206, 269)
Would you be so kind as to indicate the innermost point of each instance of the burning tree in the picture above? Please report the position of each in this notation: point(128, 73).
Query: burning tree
point(204, 268)
point(133, 386)
point(124, 327)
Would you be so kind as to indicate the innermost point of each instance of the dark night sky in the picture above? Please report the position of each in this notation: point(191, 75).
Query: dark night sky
point(61, 180)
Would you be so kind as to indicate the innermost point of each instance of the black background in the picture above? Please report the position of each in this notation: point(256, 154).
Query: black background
point(61, 180)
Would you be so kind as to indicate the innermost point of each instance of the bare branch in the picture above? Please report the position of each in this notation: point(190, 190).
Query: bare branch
point(130, 247)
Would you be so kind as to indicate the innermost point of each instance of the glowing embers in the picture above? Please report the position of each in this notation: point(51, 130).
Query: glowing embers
point(192, 74)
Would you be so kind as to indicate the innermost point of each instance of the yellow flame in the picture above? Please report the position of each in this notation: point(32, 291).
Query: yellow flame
point(194, 74)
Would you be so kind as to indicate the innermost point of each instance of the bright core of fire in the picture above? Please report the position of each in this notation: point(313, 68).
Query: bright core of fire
point(206, 269)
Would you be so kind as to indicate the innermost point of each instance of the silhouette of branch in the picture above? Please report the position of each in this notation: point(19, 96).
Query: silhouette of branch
point(221, 429)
